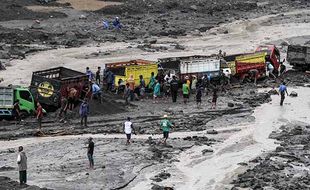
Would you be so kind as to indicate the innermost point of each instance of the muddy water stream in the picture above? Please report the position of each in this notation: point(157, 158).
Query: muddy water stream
point(216, 170)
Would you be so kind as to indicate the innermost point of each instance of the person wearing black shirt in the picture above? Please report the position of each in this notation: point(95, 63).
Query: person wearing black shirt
point(90, 152)
point(16, 111)
point(98, 75)
point(174, 86)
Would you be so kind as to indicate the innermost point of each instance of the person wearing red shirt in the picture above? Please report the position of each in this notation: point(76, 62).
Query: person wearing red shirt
point(39, 115)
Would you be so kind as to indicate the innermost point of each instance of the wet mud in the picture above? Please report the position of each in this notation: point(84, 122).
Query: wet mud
point(284, 168)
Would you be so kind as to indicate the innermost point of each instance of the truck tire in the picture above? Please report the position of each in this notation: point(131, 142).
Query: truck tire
point(23, 114)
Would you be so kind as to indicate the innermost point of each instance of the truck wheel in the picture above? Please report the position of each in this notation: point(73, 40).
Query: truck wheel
point(24, 114)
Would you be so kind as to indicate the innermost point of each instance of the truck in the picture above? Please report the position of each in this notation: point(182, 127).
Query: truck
point(48, 86)
point(272, 54)
point(123, 70)
point(241, 64)
point(199, 65)
point(299, 57)
point(8, 96)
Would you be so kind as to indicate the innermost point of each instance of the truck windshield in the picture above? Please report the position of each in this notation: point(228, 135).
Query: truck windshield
point(25, 95)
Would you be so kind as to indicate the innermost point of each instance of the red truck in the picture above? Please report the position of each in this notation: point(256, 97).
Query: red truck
point(272, 55)
point(48, 86)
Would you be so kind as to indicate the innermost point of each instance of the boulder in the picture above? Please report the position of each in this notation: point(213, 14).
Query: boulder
point(230, 104)
point(212, 132)
point(293, 94)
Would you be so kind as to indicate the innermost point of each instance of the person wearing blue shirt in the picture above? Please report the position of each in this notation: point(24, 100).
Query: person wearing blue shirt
point(282, 90)
point(96, 91)
point(117, 24)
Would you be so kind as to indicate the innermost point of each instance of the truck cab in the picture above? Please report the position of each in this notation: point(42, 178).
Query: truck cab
point(272, 55)
point(8, 95)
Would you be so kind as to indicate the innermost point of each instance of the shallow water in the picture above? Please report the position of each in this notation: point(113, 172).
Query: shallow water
point(215, 171)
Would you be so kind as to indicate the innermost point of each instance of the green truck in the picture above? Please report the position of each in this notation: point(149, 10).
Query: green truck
point(8, 95)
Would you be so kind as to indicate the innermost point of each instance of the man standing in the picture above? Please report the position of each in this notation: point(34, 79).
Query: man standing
point(142, 87)
point(165, 125)
point(174, 85)
point(89, 74)
point(39, 115)
point(90, 152)
point(156, 93)
point(22, 165)
point(282, 91)
point(185, 89)
point(98, 75)
point(128, 129)
point(63, 109)
point(131, 82)
point(84, 111)
point(16, 112)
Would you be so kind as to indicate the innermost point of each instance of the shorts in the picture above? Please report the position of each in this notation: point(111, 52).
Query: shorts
point(166, 134)
point(128, 136)
point(185, 96)
point(70, 100)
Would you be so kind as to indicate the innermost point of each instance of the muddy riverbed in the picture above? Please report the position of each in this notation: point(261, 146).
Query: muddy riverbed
point(201, 159)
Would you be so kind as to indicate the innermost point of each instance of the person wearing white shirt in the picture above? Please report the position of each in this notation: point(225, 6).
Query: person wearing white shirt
point(128, 129)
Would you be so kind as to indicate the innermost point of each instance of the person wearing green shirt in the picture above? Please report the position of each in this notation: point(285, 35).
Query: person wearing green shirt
point(152, 81)
point(185, 90)
point(165, 126)
point(156, 92)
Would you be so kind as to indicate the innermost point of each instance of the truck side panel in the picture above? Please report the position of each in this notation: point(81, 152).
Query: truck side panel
point(298, 55)
point(200, 66)
point(136, 71)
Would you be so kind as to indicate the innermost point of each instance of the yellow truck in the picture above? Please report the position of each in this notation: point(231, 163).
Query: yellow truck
point(136, 71)
point(241, 64)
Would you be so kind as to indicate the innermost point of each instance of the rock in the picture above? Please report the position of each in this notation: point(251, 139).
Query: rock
point(205, 151)
point(180, 47)
point(273, 92)
point(82, 17)
point(293, 94)
point(230, 104)
point(280, 149)
point(194, 7)
point(212, 132)
point(87, 174)
point(225, 32)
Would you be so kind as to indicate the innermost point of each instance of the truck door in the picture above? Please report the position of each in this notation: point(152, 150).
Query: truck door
point(26, 101)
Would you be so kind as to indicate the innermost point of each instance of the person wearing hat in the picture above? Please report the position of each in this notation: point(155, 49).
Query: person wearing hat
point(90, 152)
point(128, 129)
point(165, 126)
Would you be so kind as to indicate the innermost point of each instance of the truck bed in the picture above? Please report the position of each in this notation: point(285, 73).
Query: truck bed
point(6, 97)
point(298, 55)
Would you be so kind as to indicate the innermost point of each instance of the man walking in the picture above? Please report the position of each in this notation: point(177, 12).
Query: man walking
point(22, 165)
point(282, 91)
point(84, 111)
point(128, 129)
point(39, 115)
point(165, 125)
point(174, 85)
point(90, 152)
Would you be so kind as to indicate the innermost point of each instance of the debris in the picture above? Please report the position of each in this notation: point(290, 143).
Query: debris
point(293, 94)
point(205, 151)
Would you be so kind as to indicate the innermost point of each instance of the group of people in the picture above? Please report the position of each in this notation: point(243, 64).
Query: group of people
point(128, 129)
